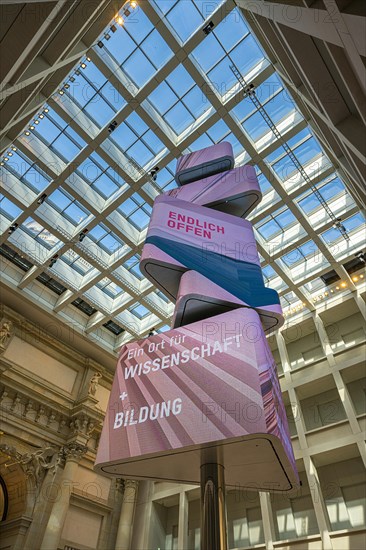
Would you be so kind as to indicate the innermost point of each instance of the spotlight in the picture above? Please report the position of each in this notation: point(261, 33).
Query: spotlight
point(83, 65)
point(2, 163)
point(6, 159)
point(361, 255)
point(77, 72)
point(46, 110)
point(12, 228)
point(88, 59)
point(53, 260)
point(36, 122)
point(27, 133)
point(133, 4)
point(338, 225)
point(153, 172)
point(120, 20)
point(208, 28)
point(32, 127)
point(249, 91)
point(113, 28)
point(82, 235)
point(42, 198)
point(66, 86)
point(107, 36)
point(112, 126)
point(10, 154)
point(14, 148)
point(61, 92)
point(41, 116)
point(100, 44)
point(72, 79)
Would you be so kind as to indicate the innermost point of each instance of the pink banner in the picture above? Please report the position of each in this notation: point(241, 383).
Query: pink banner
point(212, 382)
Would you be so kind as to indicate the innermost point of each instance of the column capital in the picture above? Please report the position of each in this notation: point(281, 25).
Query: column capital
point(130, 484)
point(74, 451)
point(120, 484)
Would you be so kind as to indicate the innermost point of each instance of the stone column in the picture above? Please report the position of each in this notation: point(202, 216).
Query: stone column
point(125, 524)
point(142, 524)
point(183, 520)
point(43, 507)
point(109, 529)
point(73, 452)
point(267, 518)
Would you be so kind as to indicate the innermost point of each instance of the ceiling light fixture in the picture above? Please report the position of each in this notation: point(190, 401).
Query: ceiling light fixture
point(208, 28)
point(42, 198)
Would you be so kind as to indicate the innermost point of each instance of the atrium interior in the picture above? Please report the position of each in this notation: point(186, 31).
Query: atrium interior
point(98, 101)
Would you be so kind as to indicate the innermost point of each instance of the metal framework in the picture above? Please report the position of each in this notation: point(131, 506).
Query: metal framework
point(297, 281)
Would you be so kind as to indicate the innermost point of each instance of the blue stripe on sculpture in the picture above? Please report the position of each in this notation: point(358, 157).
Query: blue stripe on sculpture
point(242, 279)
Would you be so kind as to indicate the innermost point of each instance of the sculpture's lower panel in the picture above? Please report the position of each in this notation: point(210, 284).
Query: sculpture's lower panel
point(208, 384)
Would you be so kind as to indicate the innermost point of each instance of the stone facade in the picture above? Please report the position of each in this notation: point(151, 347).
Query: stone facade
point(51, 423)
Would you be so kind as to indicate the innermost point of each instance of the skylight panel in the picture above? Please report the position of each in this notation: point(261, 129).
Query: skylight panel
point(264, 184)
point(184, 18)
point(9, 209)
point(139, 311)
point(139, 69)
point(165, 178)
point(110, 243)
point(28, 172)
point(208, 53)
point(179, 118)
point(351, 224)
point(276, 224)
point(137, 48)
point(109, 287)
point(180, 81)
point(132, 265)
point(37, 231)
point(156, 49)
point(66, 205)
point(302, 254)
point(78, 263)
point(163, 98)
point(53, 131)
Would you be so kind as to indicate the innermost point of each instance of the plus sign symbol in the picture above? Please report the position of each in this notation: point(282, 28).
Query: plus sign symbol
point(123, 396)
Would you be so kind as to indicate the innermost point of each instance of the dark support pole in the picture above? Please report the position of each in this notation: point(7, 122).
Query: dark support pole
point(213, 507)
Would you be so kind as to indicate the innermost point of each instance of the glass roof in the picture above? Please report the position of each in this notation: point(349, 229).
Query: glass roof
point(80, 181)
